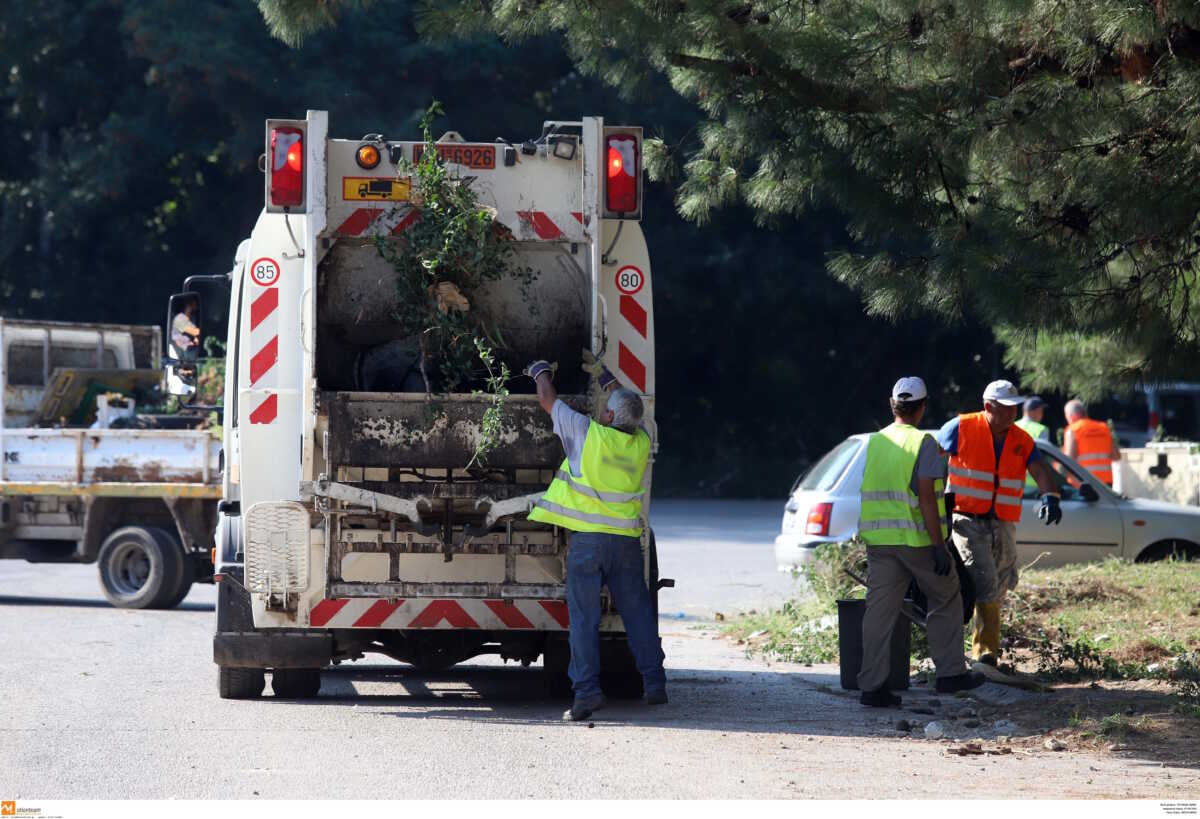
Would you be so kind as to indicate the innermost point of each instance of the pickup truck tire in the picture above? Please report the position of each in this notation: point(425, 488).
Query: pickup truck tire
point(141, 567)
point(296, 683)
point(240, 683)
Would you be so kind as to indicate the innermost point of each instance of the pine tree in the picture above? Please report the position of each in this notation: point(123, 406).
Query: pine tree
point(1032, 163)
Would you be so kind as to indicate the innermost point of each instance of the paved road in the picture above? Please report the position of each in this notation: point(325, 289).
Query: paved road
point(721, 554)
point(106, 703)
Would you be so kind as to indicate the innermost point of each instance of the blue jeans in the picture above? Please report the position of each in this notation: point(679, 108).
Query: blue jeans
point(599, 558)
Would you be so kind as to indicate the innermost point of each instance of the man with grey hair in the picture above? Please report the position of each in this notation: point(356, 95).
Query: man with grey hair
point(1089, 442)
point(597, 495)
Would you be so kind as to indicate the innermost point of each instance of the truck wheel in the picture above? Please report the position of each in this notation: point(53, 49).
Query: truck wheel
point(296, 683)
point(241, 683)
point(555, 658)
point(185, 584)
point(141, 567)
point(619, 676)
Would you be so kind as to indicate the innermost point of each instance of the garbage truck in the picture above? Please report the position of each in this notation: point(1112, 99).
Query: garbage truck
point(355, 516)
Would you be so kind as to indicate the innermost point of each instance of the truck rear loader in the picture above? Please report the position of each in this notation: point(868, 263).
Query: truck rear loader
point(355, 515)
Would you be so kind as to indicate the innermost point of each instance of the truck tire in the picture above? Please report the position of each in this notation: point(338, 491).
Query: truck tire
point(296, 683)
point(141, 567)
point(240, 683)
point(555, 658)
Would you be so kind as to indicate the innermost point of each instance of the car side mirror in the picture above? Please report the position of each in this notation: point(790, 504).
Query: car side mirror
point(1088, 493)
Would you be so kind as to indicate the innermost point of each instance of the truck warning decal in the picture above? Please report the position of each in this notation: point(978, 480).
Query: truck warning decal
point(373, 189)
point(264, 271)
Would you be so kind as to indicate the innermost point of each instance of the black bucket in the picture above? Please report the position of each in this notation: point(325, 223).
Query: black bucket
point(850, 619)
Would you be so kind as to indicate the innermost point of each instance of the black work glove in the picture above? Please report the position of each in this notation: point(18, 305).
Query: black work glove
point(1050, 512)
point(941, 559)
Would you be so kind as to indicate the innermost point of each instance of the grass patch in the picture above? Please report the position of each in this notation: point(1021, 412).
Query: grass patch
point(799, 632)
point(1138, 612)
point(1112, 620)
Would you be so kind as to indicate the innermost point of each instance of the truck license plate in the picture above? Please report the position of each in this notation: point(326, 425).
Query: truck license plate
point(481, 157)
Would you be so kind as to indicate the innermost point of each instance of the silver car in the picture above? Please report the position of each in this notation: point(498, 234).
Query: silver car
point(1097, 523)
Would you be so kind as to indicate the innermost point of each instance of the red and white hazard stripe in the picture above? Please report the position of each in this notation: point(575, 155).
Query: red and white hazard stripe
point(492, 615)
point(264, 351)
point(374, 221)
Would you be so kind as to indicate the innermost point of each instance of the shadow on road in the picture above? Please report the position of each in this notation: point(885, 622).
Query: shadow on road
point(82, 602)
point(804, 703)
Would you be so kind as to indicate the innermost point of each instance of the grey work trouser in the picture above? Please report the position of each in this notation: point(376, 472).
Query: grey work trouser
point(988, 548)
point(889, 570)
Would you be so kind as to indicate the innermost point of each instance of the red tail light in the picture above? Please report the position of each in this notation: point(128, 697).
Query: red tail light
point(287, 167)
point(623, 170)
point(1153, 425)
point(818, 519)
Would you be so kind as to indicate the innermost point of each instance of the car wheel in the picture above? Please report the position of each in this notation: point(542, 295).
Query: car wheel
point(1169, 550)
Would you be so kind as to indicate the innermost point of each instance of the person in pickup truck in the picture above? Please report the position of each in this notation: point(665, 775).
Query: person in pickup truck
point(597, 495)
point(185, 335)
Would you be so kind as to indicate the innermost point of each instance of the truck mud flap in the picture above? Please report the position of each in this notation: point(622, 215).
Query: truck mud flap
point(238, 645)
point(262, 649)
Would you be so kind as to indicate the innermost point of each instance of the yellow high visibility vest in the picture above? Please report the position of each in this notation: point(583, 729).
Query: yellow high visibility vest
point(607, 496)
point(890, 513)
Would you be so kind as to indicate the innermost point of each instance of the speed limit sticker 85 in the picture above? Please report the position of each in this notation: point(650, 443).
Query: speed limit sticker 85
point(630, 280)
point(264, 271)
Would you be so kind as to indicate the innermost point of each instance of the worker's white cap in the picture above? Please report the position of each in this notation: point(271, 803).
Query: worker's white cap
point(1003, 392)
point(909, 388)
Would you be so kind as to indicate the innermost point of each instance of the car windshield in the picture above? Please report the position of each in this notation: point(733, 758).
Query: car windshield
point(828, 471)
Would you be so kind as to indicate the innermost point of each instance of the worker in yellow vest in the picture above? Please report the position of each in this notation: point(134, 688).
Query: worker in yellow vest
point(597, 494)
point(989, 457)
point(1031, 422)
point(902, 519)
point(1090, 442)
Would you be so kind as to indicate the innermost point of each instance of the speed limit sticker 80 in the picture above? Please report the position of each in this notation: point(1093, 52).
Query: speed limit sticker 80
point(630, 280)
point(264, 271)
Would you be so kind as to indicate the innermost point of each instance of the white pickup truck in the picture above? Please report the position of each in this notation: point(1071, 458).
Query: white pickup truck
point(79, 485)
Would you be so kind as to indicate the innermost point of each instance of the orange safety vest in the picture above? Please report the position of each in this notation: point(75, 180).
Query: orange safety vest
point(1093, 442)
point(975, 480)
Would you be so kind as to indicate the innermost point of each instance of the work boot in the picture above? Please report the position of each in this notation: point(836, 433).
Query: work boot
point(987, 631)
point(960, 682)
point(656, 697)
point(880, 698)
point(583, 707)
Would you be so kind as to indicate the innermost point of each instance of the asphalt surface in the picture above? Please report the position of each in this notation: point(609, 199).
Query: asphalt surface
point(104, 703)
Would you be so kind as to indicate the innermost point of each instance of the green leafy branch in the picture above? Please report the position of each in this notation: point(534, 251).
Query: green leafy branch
point(442, 260)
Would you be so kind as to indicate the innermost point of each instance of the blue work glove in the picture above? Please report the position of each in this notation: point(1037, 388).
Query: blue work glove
point(941, 559)
point(538, 367)
point(1050, 512)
